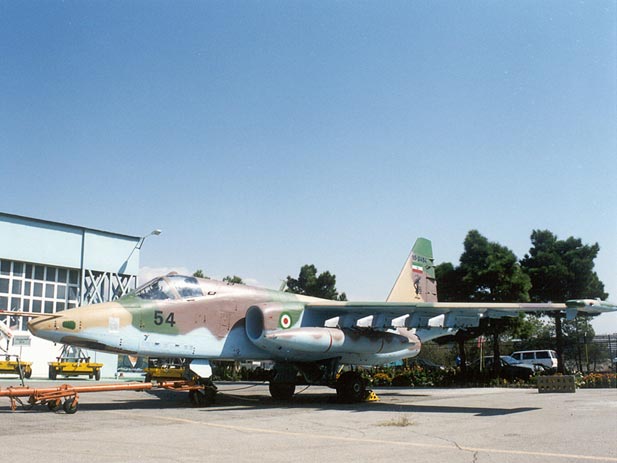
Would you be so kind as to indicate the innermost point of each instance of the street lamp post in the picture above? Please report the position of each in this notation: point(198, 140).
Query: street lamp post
point(154, 232)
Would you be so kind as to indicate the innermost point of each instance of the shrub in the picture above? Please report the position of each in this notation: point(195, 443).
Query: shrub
point(382, 379)
point(598, 380)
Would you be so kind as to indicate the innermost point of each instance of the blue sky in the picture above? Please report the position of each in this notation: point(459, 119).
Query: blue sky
point(261, 136)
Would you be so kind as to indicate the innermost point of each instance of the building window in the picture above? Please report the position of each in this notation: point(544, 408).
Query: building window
point(47, 289)
point(37, 289)
point(18, 269)
point(39, 272)
point(5, 267)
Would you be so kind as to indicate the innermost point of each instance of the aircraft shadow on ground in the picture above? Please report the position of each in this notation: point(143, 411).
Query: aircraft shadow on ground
point(329, 402)
point(227, 400)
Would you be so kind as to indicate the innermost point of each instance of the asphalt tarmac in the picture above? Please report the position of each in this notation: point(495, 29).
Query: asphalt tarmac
point(246, 425)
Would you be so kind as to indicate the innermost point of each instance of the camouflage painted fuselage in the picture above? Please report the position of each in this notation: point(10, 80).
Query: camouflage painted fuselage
point(217, 320)
point(182, 316)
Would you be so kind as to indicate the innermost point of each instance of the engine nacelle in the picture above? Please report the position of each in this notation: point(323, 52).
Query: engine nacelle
point(271, 330)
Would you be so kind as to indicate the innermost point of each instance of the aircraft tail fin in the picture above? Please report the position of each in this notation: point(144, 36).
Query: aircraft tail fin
point(416, 282)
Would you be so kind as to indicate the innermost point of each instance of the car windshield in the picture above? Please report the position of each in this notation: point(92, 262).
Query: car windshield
point(509, 360)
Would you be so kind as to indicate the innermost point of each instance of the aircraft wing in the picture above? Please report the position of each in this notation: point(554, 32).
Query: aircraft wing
point(456, 315)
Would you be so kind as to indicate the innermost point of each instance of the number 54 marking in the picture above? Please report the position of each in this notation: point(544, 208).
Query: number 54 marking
point(159, 320)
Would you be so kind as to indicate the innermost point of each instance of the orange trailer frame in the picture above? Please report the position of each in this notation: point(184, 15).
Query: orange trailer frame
point(53, 396)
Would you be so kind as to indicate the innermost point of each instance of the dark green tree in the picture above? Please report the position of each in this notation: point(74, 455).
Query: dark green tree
point(488, 272)
point(560, 270)
point(200, 274)
point(229, 279)
point(451, 288)
point(491, 272)
point(236, 280)
point(311, 284)
point(450, 283)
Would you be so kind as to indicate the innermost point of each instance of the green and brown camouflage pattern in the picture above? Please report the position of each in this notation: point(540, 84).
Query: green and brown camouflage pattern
point(183, 316)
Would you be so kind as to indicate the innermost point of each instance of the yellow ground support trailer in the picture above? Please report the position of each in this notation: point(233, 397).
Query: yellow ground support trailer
point(73, 362)
point(168, 370)
point(75, 367)
point(163, 373)
point(12, 367)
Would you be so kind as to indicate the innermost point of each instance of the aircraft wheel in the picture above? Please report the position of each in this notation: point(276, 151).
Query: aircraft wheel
point(70, 406)
point(351, 387)
point(282, 391)
point(203, 398)
point(54, 405)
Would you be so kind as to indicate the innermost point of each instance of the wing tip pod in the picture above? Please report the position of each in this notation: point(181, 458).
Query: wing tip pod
point(591, 305)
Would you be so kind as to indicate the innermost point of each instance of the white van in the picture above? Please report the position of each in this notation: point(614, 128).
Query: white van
point(548, 358)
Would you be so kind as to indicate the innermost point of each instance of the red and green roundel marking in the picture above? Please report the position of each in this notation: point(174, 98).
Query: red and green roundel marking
point(285, 320)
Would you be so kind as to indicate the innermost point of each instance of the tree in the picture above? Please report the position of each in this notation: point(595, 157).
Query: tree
point(488, 272)
point(200, 274)
point(560, 270)
point(491, 272)
point(309, 283)
point(450, 283)
point(235, 280)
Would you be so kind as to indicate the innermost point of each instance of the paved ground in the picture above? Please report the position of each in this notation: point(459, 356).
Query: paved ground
point(421, 425)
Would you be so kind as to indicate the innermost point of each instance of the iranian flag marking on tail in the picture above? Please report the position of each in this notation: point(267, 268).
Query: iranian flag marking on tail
point(416, 268)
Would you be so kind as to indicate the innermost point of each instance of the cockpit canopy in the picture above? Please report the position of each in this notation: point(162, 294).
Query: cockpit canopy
point(170, 287)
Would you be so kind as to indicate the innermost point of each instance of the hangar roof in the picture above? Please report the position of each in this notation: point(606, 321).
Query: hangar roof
point(35, 240)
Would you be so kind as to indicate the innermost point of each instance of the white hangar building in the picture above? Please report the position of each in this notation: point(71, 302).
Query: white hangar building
point(47, 267)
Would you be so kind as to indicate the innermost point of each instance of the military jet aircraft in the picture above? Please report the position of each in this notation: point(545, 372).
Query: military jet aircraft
point(308, 338)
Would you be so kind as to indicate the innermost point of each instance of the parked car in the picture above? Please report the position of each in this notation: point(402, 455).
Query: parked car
point(546, 358)
point(510, 368)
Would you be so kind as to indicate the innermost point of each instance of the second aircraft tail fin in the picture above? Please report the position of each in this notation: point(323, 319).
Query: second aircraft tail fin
point(416, 282)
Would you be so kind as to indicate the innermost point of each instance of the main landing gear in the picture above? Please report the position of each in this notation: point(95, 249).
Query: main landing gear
point(350, 386)
point(203, 397)
point(282, 391)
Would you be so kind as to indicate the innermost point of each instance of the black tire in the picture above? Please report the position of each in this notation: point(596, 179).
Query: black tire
point(29, 404)
point(203, 398)
point(282, 391)
point(53, 374)
point(54, 405)
point(28, 374)
point(351, 387)
point(70, 406)
point(97, 375)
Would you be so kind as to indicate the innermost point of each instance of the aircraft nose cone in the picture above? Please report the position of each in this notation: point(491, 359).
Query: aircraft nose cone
point(41, 325)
